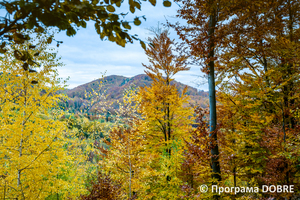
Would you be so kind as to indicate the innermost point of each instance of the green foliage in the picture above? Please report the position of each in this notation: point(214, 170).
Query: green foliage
point(37, 15)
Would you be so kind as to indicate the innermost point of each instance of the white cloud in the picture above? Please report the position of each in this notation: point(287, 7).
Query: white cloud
point(85, 56)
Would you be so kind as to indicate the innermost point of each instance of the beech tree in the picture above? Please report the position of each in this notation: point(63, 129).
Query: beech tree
point(122, 161)
point(35, 162)
point(167, 121)
point(260, 57)
point(254, 48)
point(203, 34)
point(146, 154)
point(197, 158)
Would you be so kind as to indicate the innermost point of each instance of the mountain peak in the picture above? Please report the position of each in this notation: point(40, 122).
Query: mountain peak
point(115, 85)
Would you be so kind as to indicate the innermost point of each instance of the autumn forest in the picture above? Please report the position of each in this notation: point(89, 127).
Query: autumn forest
point(149, 136)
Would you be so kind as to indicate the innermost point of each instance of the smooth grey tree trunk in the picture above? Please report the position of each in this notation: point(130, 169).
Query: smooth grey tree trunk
point(212, 100)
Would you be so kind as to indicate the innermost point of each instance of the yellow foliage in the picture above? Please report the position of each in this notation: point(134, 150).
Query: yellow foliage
point(35, 156)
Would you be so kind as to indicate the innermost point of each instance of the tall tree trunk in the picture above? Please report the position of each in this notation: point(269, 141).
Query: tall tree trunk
point(212, 99)
point(168, 129)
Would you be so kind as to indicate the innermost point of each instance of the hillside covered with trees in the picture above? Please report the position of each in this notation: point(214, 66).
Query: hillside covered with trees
point(114, 88)
point(149, 137)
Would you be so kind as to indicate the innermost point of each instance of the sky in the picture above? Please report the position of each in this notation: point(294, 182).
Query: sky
point(86, 57)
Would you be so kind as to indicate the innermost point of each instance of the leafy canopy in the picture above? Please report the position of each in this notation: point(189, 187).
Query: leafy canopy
point(37, 158)
point(19, 15)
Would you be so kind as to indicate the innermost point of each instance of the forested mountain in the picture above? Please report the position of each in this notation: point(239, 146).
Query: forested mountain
point(114, 86)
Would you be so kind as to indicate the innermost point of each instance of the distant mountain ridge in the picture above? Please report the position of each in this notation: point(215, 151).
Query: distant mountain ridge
point(115, 85)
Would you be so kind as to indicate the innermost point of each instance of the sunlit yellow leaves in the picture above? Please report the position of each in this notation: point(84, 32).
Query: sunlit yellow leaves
point(33, 154)
point(147, 144)
point(166, 121)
